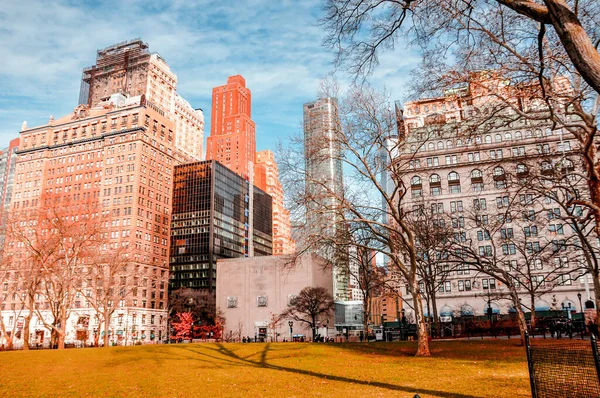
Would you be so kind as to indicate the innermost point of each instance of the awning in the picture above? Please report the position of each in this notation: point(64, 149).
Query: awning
point(446, 311)
point(467, 310)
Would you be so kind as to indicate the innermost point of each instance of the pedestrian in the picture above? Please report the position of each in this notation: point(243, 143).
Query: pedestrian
point(361, 336)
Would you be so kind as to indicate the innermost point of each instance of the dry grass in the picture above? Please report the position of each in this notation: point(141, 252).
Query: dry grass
point(457, 369)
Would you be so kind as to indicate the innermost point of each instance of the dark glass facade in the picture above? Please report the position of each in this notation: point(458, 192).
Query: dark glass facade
point(211, 220)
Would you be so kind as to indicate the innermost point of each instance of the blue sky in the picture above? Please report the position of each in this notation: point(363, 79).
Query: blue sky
point(274, 44)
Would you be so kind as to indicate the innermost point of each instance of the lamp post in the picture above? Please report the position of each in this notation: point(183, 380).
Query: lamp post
point(291, 325)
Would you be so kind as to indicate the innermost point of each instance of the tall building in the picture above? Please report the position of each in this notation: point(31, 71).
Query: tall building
point(232, 139)
point(130, 69)
point(470, 179)
point(117, 157)
point(266, 177)
point(189, 127)
point(216, 214)
point(8, 160)
point(324, 185)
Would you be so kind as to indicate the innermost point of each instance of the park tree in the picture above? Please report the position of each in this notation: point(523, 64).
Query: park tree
point(183, 326)
point(105, 284)
point(310, 307)
point(434, 239)
point(523, 62)
point(200, 302)
point(374, 199)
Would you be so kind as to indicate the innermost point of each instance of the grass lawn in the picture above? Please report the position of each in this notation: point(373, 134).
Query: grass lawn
point(457, 369)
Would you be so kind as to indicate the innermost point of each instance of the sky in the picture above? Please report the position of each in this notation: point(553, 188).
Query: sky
point(275, 44)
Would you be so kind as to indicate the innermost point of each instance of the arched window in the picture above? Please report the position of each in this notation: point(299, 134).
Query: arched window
point(440, 145)
point(521, 169)
point(488, 139)
point(477, 180)
point(518, 135)
point(435, 179)
point(431, 146)
point(508, 137)
point(413, 148)
point(528, 134)
point(538, 133)
point(498, 171)
point(478, 139)
point(453, 182)
point(498, 138)
point(548, 131)
point(546, 167)
point(416, 180)
point(459, 143)
point(449, 144)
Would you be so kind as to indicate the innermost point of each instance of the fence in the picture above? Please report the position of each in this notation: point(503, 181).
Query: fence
point(563, 368)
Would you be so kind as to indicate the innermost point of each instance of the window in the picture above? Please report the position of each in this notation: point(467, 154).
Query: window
point(502, 201)
point(473, 157)
point(529, 215)
point(530, 231)
point(479, 204)
point(506, 233)
point(485, 251)
point(533, 247)
point(492, 282)
point(431, 146)
point(456, 206)
point(452, 159)
point(484, 284)
point(431, 162)
point(526, 199)
point(437, 208)
point(553, 213)
point(435, 179)
point(498, 172)
point(416, 180)
point(461, 286)
point(453, 177)
point(508, 249)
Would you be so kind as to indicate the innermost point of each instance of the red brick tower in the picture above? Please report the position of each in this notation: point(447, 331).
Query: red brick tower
point(232, 139)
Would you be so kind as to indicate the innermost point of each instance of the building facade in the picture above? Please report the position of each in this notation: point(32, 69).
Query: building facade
point(251, 292)
point(324, 181)
point(266, 177)
point(117, 159)
point(232, 139)
point(130, 69)
point(475, 181)
point(216, 214)
point(8, 160)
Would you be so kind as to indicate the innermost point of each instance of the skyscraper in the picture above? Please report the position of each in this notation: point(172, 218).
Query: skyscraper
point(232, 139)
point(324, 185)
point(266, 177)
point(216, 214)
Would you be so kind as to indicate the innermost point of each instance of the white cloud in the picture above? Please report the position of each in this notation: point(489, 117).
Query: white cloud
point(275, 45)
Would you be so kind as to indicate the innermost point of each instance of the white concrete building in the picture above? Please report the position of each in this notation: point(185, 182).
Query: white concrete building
point(252, 292)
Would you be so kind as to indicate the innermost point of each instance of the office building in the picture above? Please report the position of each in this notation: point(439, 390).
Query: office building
point(232, 140)
point(266, 177)
point(216, 214)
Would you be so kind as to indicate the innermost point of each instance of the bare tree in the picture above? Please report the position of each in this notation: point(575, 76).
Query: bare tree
point(367, 142)
point(434, 239)
point(311, 304)
point(532, 61)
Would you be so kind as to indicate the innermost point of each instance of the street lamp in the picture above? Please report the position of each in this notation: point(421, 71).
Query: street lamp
point(291, 325)
point(579, 298)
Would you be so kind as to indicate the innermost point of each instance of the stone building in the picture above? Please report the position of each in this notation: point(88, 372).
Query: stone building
point(472, 180)
point(117, 158)
point(252, 292)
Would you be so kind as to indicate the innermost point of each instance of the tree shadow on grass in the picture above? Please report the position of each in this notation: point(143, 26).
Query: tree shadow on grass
point(485, 350)
point(263, 363)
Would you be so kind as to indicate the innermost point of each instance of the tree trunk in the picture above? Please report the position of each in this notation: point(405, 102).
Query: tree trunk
point(520, 316)
point(26, 326)
point(596, 280)
point(436, 315)
point(532, 320)
point(422, 337)
point(106, 326)
point(576, 41)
